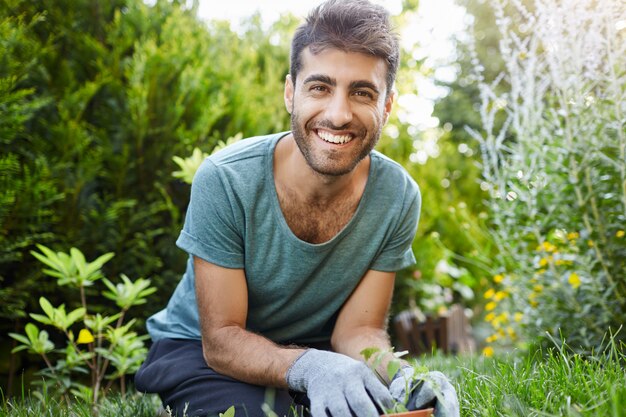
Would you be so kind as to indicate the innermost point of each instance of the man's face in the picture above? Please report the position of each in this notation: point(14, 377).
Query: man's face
point(338, 107)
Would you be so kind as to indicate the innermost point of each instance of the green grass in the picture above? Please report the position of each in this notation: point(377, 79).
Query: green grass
point(556, 382)
point(552, 383)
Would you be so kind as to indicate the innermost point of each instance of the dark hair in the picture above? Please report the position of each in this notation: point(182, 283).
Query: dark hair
point(351, 26)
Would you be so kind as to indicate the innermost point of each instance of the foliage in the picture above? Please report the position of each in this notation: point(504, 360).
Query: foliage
point(452, 249)
point(105, 344)
point(556, 171)
point(95, 101)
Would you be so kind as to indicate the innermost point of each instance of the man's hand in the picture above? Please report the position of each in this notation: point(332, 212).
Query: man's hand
point(431, 389)
point(338, 383)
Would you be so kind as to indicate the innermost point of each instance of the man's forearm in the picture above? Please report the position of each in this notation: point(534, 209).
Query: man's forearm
point(248, 357)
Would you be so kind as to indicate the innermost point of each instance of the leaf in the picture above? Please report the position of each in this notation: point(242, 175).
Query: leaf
point(367, 353)
point(97, 264)
point(75, 315)
point(229, 413)
point(20, 338)
point(46, 307)
point(40, 318)
point(31, 331)
point(392, 368)
point(78, 259)
point(49, 258)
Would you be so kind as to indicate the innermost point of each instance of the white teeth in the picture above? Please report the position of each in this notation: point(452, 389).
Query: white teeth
point(329, 137)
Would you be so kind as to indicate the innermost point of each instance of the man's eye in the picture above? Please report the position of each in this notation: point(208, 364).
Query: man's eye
point(319, 88)
point(363, 93)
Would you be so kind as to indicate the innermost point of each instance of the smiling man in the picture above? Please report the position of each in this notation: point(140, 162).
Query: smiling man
point(294, 240)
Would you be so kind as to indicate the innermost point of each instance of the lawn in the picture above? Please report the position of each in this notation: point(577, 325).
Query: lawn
point(554, 382)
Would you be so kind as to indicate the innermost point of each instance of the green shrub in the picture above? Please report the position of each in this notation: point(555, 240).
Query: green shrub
point(100, 344)
point(95, 100)
point(556, 171)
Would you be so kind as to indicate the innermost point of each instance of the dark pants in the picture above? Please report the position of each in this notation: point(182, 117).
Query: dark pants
point(175, 369)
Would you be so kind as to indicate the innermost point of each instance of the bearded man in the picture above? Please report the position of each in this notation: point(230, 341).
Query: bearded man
point(294, 240)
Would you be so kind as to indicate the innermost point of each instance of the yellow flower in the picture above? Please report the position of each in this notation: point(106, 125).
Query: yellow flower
point(541, 271)
point(620, 234)
point(544, 261)
point(498, 278)
point(491, 306)
point(533, 303)
point(503, 317)
point(489, 317)
point(559, 262)
point(489, 293)
point(492, 338)
point(574, 280)
point(590, 243)
point(500, 295)
point(84, 337)
point(488, 351)
point(511, 332)
point(573, 236)
point(548, 247)
point(518, 317)
point(538, 288)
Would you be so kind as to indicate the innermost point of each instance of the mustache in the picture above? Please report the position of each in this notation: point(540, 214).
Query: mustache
point(327, 124)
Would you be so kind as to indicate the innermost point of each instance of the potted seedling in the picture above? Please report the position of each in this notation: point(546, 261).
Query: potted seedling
point(374, 357)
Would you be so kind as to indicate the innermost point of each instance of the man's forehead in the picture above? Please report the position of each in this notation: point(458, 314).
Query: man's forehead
point(335, 62)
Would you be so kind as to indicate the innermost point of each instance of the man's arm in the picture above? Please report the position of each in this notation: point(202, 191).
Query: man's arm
point(362, 321)
point(228, 347)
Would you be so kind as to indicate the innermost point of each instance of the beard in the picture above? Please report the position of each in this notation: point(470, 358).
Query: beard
point(338, 162)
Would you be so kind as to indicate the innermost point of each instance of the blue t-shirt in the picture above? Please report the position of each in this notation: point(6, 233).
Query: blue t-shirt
point(295, 288)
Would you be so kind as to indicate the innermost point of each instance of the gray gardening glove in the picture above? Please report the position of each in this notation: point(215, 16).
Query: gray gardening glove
point(422, 392)
point(338, 383)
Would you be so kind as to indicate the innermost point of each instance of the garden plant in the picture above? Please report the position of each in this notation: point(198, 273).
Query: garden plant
point(556, 171)
point(104, 341)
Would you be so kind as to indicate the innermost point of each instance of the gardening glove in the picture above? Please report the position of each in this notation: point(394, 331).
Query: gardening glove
point(339, 384)
point(425, 390)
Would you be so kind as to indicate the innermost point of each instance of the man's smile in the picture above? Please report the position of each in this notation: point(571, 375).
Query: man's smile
point(334, 138)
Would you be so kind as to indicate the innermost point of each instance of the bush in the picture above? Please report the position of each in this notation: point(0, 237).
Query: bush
point(104, 345)
point(556, 171)
point(95, 100)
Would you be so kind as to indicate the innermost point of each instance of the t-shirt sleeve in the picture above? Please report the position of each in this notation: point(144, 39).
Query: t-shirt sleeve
point(397, 252)
point(213, 224)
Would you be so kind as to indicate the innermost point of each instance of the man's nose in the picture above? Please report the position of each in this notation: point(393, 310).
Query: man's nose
point(339, 110)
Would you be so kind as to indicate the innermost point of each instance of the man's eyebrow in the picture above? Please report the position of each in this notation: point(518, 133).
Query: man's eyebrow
point(320, 78)
point(331, 81)
point(364, 84)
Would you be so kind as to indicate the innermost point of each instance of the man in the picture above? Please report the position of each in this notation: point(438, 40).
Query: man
point(294, 240)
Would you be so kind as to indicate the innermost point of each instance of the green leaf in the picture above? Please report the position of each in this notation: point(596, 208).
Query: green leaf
point(20, 338)
point(46, 307)
point(31, 331)
point(97, 264)
point(392, 368)
point(78, 259)
point(75, 315)
point(367, 353)
point(41, 318)
point(229, 413)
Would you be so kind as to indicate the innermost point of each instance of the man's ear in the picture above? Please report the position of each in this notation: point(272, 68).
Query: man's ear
point(289, 90)
point(388, 105)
